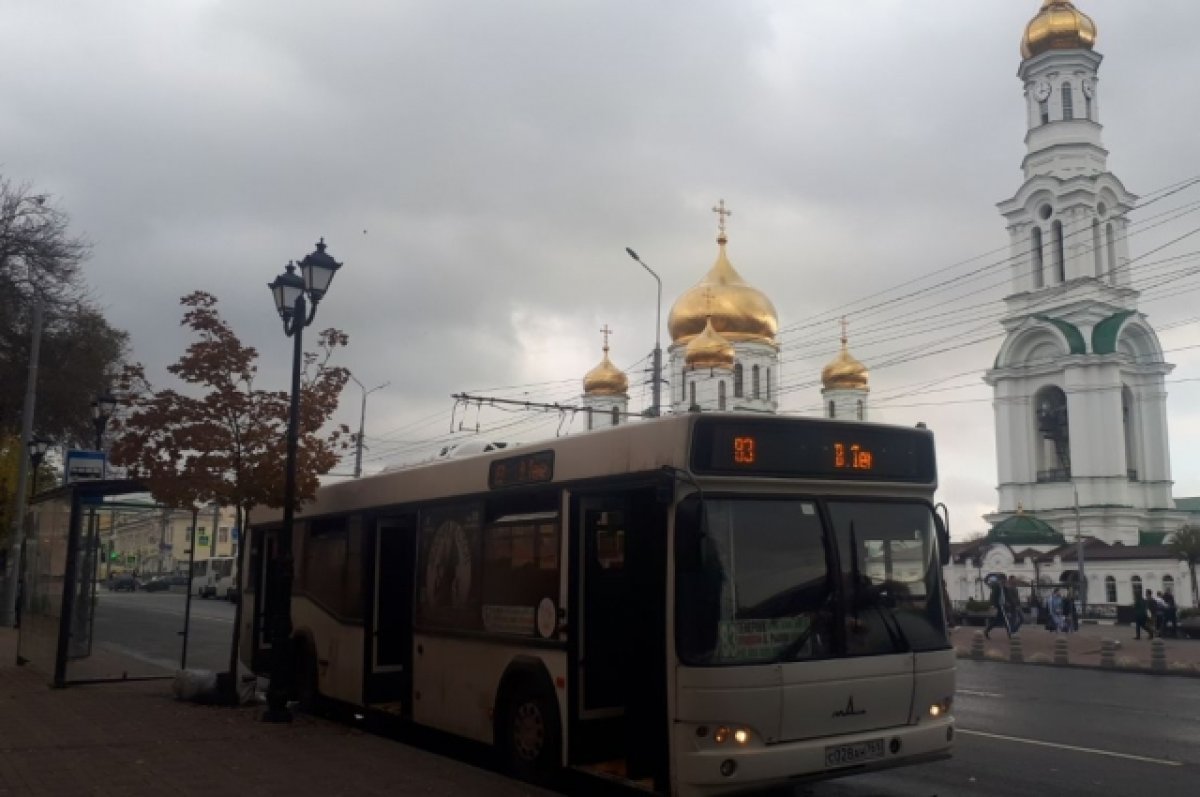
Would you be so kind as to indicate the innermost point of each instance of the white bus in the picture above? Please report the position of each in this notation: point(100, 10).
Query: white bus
point(215, 577)
point(698, 604)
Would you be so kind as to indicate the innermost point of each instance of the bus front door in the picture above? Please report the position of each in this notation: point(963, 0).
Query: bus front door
point(620, 695)
point(389, 658)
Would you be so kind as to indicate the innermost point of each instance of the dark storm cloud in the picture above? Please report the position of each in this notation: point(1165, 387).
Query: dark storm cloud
point(481, 166)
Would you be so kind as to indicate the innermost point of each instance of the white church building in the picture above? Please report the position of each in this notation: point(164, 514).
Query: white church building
point(1078, 384)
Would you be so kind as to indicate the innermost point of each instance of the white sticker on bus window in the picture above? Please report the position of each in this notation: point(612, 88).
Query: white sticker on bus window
point(808, 509)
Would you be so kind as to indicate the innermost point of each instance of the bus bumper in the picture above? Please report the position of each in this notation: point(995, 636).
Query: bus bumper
point(711, 772)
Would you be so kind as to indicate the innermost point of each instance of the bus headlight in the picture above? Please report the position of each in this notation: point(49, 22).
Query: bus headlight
point(941, 707)
point(734, 735)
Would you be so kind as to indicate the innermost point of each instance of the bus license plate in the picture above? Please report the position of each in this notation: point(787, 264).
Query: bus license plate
point(844, 755)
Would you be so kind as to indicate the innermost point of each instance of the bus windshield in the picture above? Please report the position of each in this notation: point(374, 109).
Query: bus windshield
point(768, 580)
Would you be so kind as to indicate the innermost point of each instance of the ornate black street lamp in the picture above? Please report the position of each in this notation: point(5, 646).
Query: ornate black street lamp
point(38, 447)
point(292, 296)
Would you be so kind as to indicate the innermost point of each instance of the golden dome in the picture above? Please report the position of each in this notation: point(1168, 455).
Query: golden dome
point(844, 372)
point(709, 349)
point(605, 379)
point(738, 311)
point(1058, 26)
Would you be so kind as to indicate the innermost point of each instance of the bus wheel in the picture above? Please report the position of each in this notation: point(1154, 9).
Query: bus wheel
point(532, 738)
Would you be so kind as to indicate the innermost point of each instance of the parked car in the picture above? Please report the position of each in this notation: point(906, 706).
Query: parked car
point(177, 579)
point(122, 582)
point(157, 584)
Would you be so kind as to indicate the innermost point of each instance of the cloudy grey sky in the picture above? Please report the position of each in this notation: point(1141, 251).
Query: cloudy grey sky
point(480, 167)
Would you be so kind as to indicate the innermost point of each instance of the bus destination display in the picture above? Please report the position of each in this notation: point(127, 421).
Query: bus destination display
point(805, 449)
point(525, 469)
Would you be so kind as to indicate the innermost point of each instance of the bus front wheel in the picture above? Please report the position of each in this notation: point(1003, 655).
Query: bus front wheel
point(531, 738)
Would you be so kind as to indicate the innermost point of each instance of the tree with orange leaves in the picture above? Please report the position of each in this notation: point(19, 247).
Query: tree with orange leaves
point(225, 440)
point(226, 444)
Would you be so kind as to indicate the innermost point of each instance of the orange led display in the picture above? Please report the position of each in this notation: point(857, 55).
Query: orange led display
point(743, 450)
point(853, 457)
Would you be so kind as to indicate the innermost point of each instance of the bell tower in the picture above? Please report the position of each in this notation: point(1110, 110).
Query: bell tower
point(1078, 384)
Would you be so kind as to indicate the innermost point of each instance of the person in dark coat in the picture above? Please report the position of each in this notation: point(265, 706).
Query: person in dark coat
point(1140, 615)
point(999, 618)
point(1012, 601)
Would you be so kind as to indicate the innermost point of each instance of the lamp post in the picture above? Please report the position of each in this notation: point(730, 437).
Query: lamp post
point(1080, 549)
point(37, 452)
point(103, 407)
point(292, 296)
point(362, 422)
point(655, 410)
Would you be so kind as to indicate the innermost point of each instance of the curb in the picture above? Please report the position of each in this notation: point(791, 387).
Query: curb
point(1073, 666)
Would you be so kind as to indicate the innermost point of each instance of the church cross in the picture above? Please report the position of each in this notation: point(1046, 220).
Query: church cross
point(843, 330)
point(604, 330)
point(721, 214)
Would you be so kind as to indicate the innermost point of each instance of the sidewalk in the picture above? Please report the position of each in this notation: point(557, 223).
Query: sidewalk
point(1083, 647)
point(133, 739)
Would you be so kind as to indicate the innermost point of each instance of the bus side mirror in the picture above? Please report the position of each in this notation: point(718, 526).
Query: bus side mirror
point(943, 540)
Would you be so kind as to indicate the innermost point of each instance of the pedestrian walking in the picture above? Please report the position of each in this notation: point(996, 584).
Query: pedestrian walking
point(1056, 610)
point(1012, 600)
point(1160, 614)
point(1171, 613)
point(1140, 615)
point(1000, 617)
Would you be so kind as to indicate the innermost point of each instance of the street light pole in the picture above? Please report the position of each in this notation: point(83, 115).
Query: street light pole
point(38, 447)
point(655, 410)
point(103, 407)
point(8, 605)
point(362, 422)
point(1080, 554)
point(290, 292)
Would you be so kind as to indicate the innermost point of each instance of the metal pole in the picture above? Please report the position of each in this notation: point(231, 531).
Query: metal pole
point(1079, 540)
point(16, 543)
point(187, 603)
point(362, 423)
point(281, 622)
point(656, 409)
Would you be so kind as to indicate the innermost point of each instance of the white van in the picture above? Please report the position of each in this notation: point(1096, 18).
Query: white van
point(215, 578)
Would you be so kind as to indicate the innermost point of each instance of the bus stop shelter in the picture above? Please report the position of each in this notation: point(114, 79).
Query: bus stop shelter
point(71, 627)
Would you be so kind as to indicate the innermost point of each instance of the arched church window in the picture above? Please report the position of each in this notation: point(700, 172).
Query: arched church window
point(832, 410)
point(1135, 583)
point(1067, 102)
point(1111, 244)
point(754, 374)
point(1110, 589)
point(1129, 423)
point(589, 419)
point(1039, 263)
point(768, 384)
point(1088, 106)
point(860, 409)
point(721, 395)
point(1060, 254)
point(737, 381)
point(616, 416)
point(1052, 426)
point(1097, 249)
point(692, 394)
point(1044, 111)
point(1169, 584)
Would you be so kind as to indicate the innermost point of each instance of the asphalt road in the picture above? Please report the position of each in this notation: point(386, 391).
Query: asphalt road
point(145, 627)
point(1041, 730)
